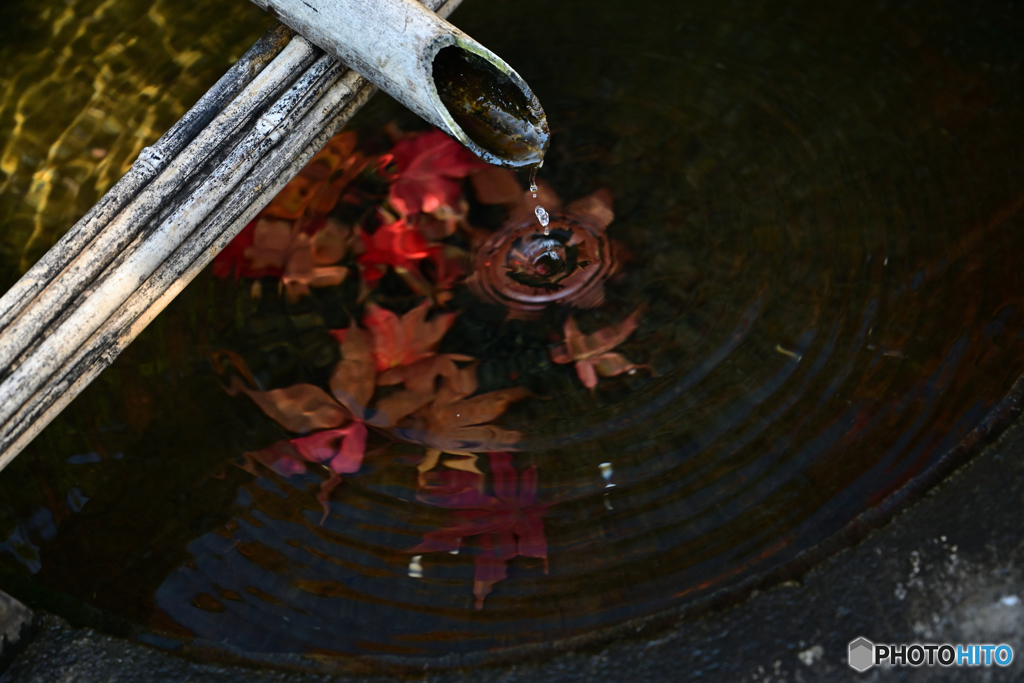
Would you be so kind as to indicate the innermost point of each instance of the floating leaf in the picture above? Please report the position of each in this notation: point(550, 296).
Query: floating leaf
point(444, 266)
point(463, 461)
point(460, 485)
point(354, 376)
point(281, 457)
point(422, 376)
point(461, 422)
point(400, 404)
point(271, 245)
point(395, 244)
point(340, 449)
point(590, 345)
point(292, 237)
point(310, 259)
point(592, 352)
point(445, 417)
point(405, 340)
point(301, 408)
point(306, 188)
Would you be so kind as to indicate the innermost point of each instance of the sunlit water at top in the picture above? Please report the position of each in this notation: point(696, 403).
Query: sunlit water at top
point(817, 215)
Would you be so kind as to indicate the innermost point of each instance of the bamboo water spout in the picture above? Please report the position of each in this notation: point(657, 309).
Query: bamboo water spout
point(432, 68)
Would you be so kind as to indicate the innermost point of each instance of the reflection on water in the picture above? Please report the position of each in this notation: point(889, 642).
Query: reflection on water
point(84, 86)
point(817, 211)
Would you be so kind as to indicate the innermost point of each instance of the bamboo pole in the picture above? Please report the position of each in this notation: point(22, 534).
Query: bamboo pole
point(77, 283)
point(151, 161)
point(137, 260)
point(157, 258)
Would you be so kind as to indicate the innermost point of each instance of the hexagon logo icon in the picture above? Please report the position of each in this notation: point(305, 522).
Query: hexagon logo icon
point(862, 654)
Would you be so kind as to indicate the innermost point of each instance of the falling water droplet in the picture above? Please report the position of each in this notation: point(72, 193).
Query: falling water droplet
point(543, 217)
point(533, 181)
point(606, 473)
point(415, 568)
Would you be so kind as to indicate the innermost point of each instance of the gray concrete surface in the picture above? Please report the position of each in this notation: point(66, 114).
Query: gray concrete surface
point(948, 569)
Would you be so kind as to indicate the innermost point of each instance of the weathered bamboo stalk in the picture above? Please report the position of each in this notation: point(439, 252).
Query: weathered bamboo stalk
point(138, 260)
point(89, 336)
point(115, 238)
point(151, 162)
point(340, 103)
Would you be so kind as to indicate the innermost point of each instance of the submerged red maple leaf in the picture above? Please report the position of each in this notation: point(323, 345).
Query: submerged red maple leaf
point(426, 170)
point(592, 352)
point(291, 238)
point(509, 523)
point(396, 244)
point(231, 259)
point(317, 187)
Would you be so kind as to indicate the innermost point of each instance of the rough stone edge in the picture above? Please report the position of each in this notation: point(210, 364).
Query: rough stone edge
point(16, 625)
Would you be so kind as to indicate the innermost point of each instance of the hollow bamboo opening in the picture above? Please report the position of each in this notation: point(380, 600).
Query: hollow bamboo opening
point(481, 97)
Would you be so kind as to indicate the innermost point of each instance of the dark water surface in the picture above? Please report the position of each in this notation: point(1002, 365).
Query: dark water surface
point(820, 203)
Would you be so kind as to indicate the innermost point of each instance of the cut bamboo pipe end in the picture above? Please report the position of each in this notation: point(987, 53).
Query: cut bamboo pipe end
point(431, 67)
point(486, 105)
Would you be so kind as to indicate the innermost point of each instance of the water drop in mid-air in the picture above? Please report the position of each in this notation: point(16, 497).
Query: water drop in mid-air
point(543, 217)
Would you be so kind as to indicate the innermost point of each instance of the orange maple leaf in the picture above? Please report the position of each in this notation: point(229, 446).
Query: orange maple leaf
point(402, 341)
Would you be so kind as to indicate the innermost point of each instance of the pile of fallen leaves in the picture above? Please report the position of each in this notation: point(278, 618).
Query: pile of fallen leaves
point(402, 217)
